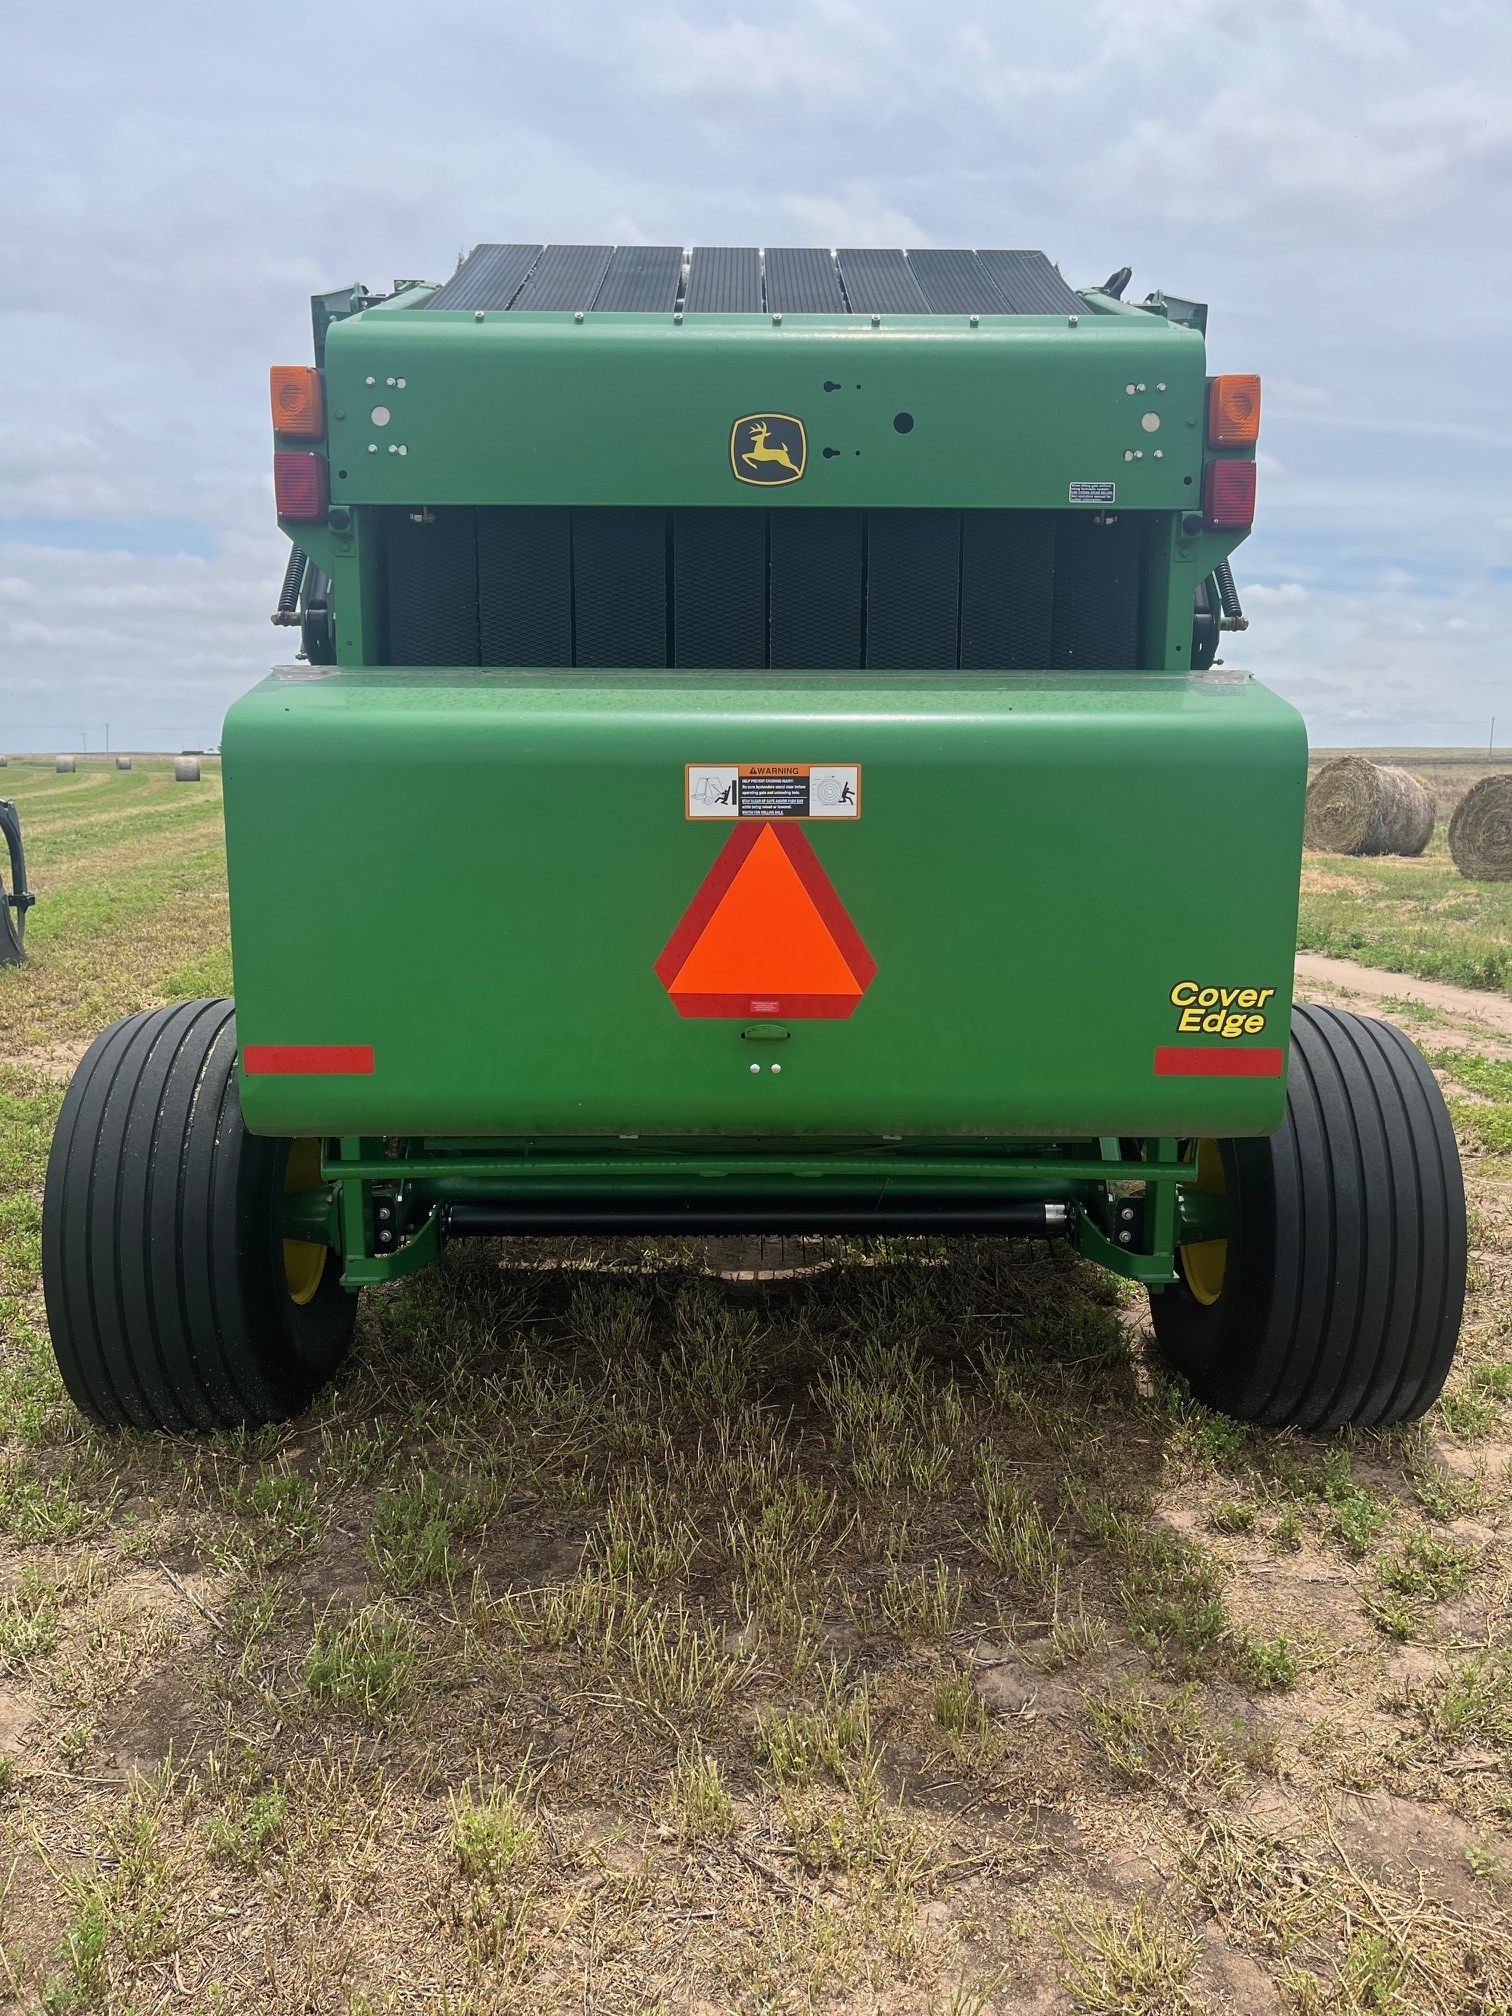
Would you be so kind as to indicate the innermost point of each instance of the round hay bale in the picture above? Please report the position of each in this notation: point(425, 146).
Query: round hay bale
point(1480, 832)
point(1355, 806)
point(123, 762)
point(186, 770)
point(4, 762)
point(64, 766)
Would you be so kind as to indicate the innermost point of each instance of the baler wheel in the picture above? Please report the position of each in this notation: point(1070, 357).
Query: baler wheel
point(1336, 1301)
point(169, 1296)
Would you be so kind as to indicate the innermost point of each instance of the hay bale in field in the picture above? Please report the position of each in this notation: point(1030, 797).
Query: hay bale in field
point(1480, 833)
point(186, 770)
point(64, 766)
point(1355, 806)
point(123, 762)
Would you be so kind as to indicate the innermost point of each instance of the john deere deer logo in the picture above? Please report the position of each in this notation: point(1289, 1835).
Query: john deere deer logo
point(768, 448)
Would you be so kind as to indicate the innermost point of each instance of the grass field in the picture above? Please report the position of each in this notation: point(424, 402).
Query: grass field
point(892, 1638)
point(1413, 916)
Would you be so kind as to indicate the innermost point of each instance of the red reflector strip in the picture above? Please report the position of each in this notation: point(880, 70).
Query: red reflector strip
point(307, 1060)
point(1219, 1063)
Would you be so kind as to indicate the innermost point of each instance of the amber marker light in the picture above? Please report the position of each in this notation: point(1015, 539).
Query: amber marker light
point(1233, 411)
point(298, 405)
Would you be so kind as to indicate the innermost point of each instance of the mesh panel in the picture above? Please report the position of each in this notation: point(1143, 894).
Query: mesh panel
point(1007, 586)
point(619, 585)
point(1095, 621)
point(736, 588)
point(719, 588)
point(525, 585)
point(431, 587)
point(816, 589)
point(913, 588)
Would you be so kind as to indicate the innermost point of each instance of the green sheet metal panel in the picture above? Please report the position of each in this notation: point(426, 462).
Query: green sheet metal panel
point(474, 874)
point(523, 408)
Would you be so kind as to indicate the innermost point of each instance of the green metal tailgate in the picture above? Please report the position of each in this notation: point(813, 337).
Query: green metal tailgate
point(1077, 893)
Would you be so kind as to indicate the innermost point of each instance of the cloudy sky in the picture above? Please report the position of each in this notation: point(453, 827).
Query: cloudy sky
point(1332, 175)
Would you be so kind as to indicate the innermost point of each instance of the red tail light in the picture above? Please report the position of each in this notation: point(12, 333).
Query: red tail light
point(299, 484)
point(1228, 496)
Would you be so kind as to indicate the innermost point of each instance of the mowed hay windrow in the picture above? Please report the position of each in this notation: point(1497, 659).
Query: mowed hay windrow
point(1355, 806)
point(1480, 832)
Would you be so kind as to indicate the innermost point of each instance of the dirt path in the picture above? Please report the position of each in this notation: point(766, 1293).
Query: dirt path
point(1318, 976)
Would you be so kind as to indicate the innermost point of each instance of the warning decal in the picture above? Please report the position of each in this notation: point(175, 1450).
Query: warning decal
point(774, 790)
point(766, 935)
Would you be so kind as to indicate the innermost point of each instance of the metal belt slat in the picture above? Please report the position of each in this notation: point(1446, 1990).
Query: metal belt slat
point(565, 276)
point(955, 283)
point(879, 283)
point(489, 277)
point(1030, 284)
point(802, 280)
point(724, 280)
point(640, 279)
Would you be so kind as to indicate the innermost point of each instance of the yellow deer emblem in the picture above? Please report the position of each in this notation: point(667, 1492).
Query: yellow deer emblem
point(768, 448)
point(760, 452)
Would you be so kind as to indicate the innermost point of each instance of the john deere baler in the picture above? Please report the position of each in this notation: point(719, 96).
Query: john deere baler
point(759, 759)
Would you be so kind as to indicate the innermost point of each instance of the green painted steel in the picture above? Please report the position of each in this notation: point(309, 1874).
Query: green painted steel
point(637, 409)
point(1057, 875)
point(474, 874)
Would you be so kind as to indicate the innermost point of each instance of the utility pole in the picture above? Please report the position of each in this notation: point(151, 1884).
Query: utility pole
point(107, 738)
point(1492, 743)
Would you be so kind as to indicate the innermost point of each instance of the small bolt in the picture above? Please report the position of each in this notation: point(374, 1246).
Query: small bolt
point(372, 447)
point(370, 381)
point(974, 320)
point(876, 321)
point(338, 416)
point(1071, 321)
point(1160, 454)
point(393, 447)
point(384, 1211)
point(1126, 1238)
point(776, 321)
point(391, 381)
point(1139, 388)
point(477, 314)
point(577, 314)
point(776, 1068)
point(677, 317)
point(1160, 388)
point(755, 1068)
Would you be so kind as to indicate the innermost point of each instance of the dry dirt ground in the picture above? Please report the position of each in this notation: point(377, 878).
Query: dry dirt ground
point(614, 1636)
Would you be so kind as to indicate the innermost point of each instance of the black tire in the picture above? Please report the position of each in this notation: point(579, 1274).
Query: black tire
point(162, 1254)
point(1344, 1282)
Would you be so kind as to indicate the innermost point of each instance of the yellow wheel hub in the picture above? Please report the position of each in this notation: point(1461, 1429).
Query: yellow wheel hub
point(304, 1259)
point(1205, 1262)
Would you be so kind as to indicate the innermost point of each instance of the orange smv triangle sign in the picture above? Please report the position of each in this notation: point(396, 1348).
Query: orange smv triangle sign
point(766, 935)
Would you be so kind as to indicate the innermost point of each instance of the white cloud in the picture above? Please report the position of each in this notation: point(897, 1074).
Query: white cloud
point(1334, 176)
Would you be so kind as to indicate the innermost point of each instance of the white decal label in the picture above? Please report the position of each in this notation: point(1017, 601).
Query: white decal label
point(774, 790)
